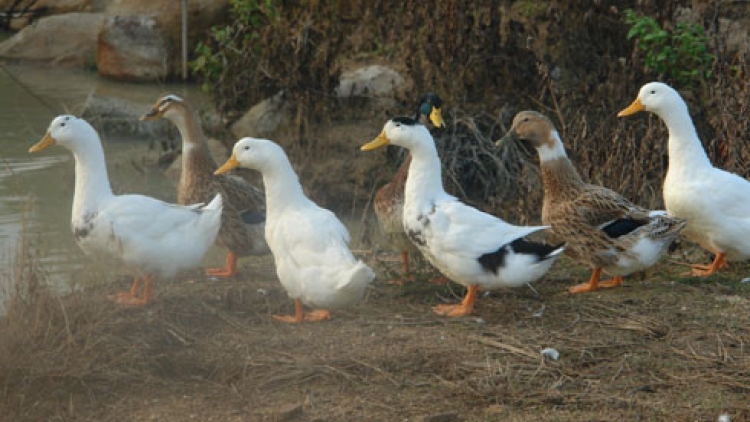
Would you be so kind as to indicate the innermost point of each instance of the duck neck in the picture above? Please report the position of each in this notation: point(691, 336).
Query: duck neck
point(195, 152)
point(424, 182)
point(91, 179)
point(686, 152)
point(282, 188)
point(558, 173)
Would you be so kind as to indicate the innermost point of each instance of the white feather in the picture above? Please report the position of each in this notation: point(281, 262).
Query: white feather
point(309, 244)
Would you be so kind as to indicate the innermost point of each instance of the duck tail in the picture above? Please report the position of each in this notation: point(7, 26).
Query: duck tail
point(210, 219)
point(667, 227)
point(215, 203)
point(358, 277)
point(556, 251)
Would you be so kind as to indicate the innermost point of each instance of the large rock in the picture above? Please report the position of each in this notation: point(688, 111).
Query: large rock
point(68, 40)
point(262, 119)
point(119, 116)
point(369, 81)
point(132, 49)
point(202, 14)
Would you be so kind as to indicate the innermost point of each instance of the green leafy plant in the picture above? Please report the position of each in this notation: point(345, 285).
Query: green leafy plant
point(681, 54)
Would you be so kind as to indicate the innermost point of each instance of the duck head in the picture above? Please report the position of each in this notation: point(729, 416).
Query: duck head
point(68, 131)
point(532, 128)
point(167, 107)
point(402, 131)
point(655, 97)
point(253, 153)
point(430, 107)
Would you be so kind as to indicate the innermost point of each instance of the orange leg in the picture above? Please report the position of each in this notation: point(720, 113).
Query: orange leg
point(406, 271)
point(299, 315)
point(229, 270)
point(133, 292)
point(594, 284)
point(132, 299)
point(706, 270)
point(462, 309)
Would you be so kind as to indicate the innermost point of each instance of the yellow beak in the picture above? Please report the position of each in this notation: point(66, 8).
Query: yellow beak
point(436, 117)
point(231, 163)
point(378, 142)
point(47, 141)
point(632, 108)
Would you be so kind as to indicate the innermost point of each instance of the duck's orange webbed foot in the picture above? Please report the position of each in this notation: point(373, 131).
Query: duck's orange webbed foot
point(131, 298)
point(700, 270)
point(317, 315)
point(594, 284)
point(466, 307)
point(614, 282)
point(457, 310)
point(299, 315)
point(229, 270)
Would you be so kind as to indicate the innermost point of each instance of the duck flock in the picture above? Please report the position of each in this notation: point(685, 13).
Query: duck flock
point(593, 224)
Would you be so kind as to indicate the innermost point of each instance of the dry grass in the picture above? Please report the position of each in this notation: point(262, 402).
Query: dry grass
point(661, 348)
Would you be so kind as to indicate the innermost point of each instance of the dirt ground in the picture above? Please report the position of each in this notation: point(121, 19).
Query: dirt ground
point(663, 347)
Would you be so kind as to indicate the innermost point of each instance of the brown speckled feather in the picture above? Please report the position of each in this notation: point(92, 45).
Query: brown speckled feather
point(199, 184)
point(242, 228)
point(389, 209)
point(599, 225)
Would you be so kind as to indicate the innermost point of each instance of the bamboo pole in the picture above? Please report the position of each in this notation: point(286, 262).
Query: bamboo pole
point(184, 39)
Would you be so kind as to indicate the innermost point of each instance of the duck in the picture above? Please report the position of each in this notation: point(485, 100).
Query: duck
point(153, 238)
point(309, 244)
point(713, 201)
point(389, 199)
point(468, 246)
point(243, 213)
point(599, 226)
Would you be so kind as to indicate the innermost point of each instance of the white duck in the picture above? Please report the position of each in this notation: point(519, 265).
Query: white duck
point(309, 244)
point(468, 246)
point(154, 237)
point(714, 202)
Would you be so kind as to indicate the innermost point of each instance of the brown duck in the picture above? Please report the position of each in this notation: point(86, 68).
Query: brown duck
point(243, 216)
point(600, 226)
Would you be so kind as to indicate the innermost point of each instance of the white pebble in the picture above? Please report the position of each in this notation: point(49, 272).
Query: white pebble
point(551, 353)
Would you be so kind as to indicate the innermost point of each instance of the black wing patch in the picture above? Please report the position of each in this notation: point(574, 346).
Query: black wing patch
point(622, 226)
point(408, 121)
point(494, 260)
point(253, 217)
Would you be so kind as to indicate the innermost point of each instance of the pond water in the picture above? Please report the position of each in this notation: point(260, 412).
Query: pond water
point(36, 190)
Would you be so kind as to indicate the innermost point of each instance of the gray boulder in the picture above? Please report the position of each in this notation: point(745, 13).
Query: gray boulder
point(262, 119)
point(61, 40)
point(132, 49)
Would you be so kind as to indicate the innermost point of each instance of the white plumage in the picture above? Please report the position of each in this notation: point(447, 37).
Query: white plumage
point(153, 237)
point(471, 247)
point(713, 201)
point(309, 244)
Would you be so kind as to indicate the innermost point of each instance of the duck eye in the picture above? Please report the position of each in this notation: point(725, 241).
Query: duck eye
point(247, 148)
point(653, 91)
point(62, 124)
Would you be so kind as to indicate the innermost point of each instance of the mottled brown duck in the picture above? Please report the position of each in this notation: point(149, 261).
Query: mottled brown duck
point(600, 226)
point(243, 216)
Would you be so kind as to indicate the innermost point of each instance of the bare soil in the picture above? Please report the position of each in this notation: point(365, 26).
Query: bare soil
point(663, 347)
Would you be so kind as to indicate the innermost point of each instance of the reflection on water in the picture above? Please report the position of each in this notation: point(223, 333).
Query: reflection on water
point(37, 189)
